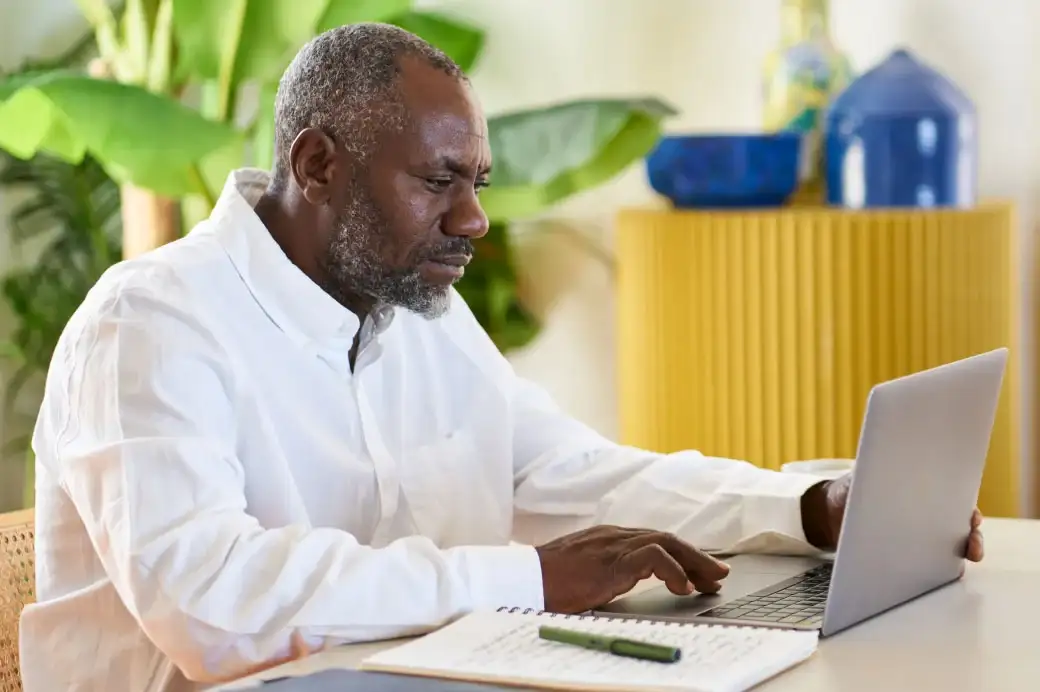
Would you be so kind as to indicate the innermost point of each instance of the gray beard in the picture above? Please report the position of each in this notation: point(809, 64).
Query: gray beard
point(354, 265)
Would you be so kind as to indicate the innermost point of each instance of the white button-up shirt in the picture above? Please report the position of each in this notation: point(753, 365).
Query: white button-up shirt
point(214, 482)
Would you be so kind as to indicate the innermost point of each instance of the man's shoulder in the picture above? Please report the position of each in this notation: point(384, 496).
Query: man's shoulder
point(169, 281)
point(183, 269)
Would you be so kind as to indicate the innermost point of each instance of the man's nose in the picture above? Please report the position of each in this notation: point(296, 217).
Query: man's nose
point(466, 218)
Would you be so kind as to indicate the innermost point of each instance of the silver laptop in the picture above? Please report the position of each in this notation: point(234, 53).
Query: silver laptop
point(915, 483)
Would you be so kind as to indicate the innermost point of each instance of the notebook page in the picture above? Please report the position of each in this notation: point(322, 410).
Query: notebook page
point(504, 647)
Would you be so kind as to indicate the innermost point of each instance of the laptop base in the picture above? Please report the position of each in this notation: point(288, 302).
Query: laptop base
point(749, 574)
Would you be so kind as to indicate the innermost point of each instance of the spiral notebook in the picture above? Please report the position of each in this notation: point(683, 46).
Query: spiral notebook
point(503, 647)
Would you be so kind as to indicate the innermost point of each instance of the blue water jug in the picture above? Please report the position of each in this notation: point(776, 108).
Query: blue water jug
point(901, 135)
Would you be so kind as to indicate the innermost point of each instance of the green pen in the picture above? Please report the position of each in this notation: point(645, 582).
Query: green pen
point(612, 645)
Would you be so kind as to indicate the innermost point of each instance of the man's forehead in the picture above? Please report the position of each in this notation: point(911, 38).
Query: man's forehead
point(429, 91)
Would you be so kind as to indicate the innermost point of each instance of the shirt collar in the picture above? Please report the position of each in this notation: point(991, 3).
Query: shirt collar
point(297, 305)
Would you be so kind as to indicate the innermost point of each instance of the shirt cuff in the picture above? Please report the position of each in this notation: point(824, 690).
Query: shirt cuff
point(773, 510)
point(504, 577)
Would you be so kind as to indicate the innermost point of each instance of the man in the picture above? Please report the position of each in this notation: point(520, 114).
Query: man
point(287, 431)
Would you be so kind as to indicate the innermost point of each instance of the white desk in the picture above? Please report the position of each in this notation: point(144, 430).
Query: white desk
point(981, 634)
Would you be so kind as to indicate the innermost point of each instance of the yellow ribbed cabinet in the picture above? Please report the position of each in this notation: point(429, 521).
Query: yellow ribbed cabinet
point(757, 335)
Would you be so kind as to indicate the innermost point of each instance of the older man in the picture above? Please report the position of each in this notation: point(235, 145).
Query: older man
point(286, 430)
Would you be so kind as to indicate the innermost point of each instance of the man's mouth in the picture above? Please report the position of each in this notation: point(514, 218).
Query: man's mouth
point(453, 260)
point(446, 269)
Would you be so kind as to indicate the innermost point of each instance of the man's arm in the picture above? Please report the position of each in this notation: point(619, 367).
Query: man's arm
point(143, 436)
point(569, 478)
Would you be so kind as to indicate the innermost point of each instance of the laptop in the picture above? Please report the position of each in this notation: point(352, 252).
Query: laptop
point(915, 483)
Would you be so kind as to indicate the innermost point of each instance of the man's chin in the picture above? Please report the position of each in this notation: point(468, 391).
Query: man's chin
point(435, 304)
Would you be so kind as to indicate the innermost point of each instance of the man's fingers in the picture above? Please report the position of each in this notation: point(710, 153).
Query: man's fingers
point(975, 549)
point(707, 586)
point(653, 560)
point(698, 565)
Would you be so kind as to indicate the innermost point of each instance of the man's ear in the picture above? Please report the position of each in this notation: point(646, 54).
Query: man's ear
point(312, 159)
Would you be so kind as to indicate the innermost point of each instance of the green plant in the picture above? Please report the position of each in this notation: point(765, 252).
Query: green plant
point(64, 233)
point(71, 219)
point(160, 50)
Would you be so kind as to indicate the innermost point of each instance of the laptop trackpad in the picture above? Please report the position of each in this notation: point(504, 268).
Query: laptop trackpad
point(748, 574)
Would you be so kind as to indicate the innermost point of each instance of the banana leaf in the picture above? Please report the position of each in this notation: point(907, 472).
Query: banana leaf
point(261, 37)
point(461, 42)
point(340, 12)
point(542, 156)
point(139, 137)
point(241, 40)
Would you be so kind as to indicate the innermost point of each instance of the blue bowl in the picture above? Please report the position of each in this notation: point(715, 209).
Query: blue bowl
point(726, 171)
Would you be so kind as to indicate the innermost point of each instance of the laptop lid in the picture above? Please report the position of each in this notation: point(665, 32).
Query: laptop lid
point(922, 450)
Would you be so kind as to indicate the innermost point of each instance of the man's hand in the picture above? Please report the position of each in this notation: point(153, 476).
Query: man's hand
point(592, 567)
point(823, 509)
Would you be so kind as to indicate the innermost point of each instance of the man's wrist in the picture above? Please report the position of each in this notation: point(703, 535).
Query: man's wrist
point(816, 521)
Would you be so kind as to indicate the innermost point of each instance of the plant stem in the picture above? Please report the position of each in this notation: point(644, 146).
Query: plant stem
point(149, 220)
point(160, 62)
point(202, 187)
point(226, 87)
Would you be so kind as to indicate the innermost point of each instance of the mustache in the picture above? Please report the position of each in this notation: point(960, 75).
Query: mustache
point(453, 246)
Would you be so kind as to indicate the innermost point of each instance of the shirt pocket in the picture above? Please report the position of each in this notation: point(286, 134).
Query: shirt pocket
point(441, 481)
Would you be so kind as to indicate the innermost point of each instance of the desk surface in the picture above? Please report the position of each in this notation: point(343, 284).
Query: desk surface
point(979, 634)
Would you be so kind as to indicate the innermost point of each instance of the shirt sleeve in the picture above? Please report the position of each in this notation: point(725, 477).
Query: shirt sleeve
point(568, 477)
point(146, 450)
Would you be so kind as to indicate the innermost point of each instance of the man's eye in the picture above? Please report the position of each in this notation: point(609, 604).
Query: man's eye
point(439, 184)
point(481, 185)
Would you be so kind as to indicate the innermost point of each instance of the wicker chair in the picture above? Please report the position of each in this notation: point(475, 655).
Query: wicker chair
point(17, 588)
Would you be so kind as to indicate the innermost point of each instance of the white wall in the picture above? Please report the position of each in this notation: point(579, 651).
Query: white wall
point(704, 57)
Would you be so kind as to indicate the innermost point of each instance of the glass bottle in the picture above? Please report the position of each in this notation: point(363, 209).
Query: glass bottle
point(802, 74)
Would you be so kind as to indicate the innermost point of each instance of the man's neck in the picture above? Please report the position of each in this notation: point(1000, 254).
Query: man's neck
point(284, 225)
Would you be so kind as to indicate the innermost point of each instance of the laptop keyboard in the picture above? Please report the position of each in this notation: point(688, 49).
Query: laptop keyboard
point(797, 601)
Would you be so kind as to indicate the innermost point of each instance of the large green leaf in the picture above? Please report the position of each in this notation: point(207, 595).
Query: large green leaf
point(260, 36)
point(139, 137)
point(340, 12)
point(200, 29)
point(542, 156)
point(462, 42)
point(272, 32)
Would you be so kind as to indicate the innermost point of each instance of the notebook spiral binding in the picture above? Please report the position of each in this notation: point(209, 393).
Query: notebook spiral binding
point(648, 621)
point(585, 616)
point(562, 616)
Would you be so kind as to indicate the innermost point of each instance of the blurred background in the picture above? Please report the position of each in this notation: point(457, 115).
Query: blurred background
point(843, 192)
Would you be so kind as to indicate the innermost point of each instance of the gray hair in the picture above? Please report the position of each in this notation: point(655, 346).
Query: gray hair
point(343, 82)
